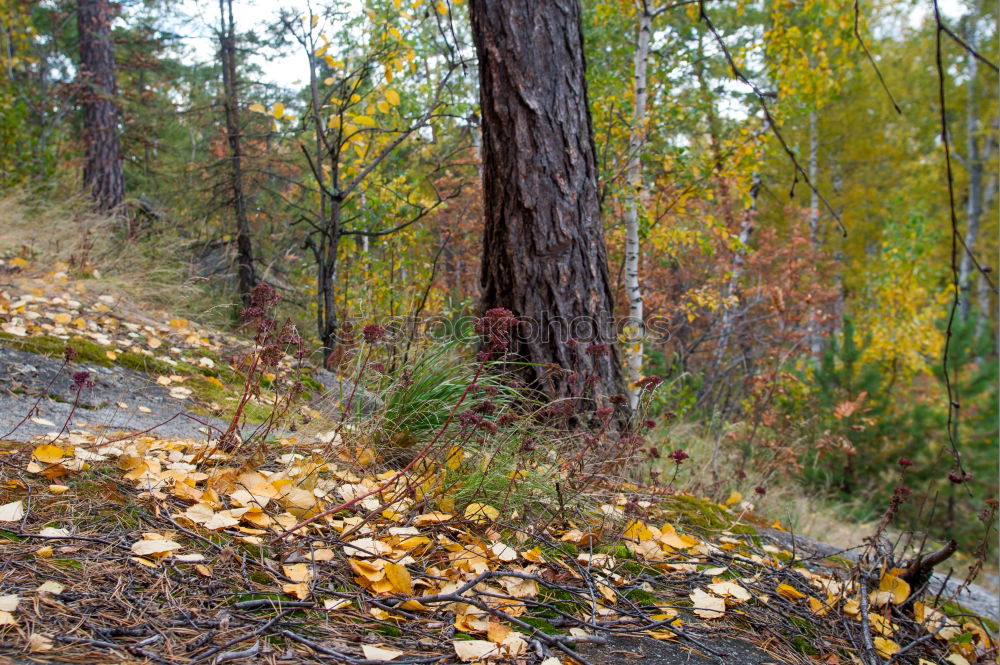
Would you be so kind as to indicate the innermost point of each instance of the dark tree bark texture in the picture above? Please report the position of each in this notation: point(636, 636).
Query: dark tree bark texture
point(102, 173)
point(544, 256)
point(244, 250)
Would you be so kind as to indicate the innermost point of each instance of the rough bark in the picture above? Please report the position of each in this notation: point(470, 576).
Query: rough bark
point(246, 276)
point(633, 195)
point(544, 255)
point(102, 173)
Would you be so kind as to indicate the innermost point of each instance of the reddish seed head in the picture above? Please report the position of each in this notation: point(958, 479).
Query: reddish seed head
point(905, 462)
point(958, 477)
point(506, 419)
point(597, 350)
point(373, 332)
point(649, 382)
point(678, 456)
point(760, 490)
point(263, 296)
point(496, 324)
point(82, 379)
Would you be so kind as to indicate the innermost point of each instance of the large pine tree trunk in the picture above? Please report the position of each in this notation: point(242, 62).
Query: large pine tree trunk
point(102, 173)
point(544, 256)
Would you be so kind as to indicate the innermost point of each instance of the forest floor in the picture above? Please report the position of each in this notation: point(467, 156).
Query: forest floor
point(128, 534)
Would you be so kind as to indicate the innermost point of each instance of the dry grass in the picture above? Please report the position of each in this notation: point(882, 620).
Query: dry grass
point(155, 271)
point(713, 469)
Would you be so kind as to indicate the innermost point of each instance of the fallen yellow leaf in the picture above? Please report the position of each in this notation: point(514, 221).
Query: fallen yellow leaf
point(789, 592)
point(48, 454)
point(399, 577)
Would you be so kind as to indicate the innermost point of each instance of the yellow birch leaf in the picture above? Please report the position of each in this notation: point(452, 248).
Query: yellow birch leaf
point(789, 592)
point(885, 647)
point(481, 512)
point(48, 454)
point(897, 587)
point(399, 577)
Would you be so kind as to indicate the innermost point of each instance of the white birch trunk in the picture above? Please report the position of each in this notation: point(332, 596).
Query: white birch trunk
point(974, 163)
point(815, 339)
point(633, 196)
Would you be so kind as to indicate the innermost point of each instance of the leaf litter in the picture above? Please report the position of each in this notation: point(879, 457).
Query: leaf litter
point(176, 551)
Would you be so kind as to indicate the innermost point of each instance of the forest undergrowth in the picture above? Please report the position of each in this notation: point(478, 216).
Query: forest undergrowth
point(427, 511)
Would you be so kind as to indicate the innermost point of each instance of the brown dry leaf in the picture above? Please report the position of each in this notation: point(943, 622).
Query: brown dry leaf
point(706, 605)
point(8, 602)
point(469, 651)
point(58, 489)
point(7, 619)
point(45, 552)
point(379, 653)
point(399, 577)
point(203, 570)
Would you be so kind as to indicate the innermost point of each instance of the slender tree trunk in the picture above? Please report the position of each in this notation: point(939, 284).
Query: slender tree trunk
point(544, 255)
point(244, 250)
point(102, 173)
point(815, 339)
point(633, 199)
point(331, 200)
point(974, 163)
point(729, 314)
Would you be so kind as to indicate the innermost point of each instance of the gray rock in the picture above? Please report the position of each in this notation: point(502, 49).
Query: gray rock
point(27, 378)
point(339, 391)
point(630, 649)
